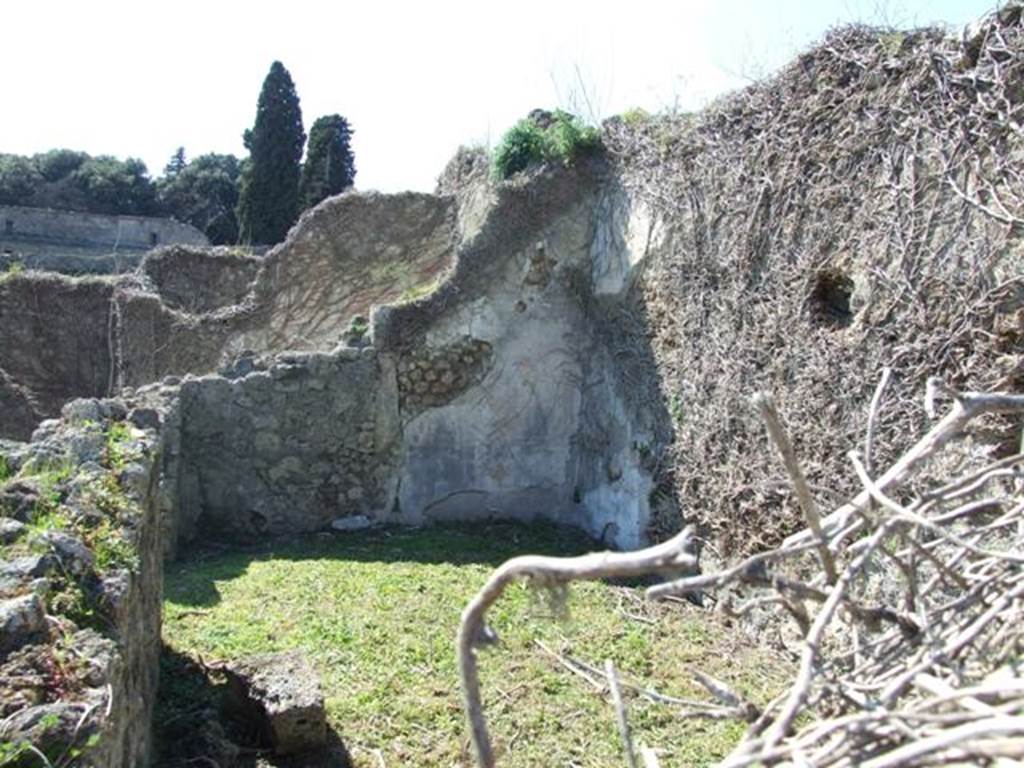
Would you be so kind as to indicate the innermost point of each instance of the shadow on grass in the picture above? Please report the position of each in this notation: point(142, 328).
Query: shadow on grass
point(192, 580)
point(191, 728)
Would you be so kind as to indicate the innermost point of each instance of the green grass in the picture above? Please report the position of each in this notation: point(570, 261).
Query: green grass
point(378, 611)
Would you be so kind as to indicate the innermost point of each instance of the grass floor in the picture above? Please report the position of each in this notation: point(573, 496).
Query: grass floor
point(377, 612)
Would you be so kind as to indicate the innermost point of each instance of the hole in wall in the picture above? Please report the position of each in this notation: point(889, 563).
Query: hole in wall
point(830, 299)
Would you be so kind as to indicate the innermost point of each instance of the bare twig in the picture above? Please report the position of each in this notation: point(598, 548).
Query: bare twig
point(778, 434)
point(620, 713)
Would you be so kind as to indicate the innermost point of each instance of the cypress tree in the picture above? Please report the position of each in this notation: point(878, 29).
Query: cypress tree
point(176, 164)
point(268, 201)
point(330, 167)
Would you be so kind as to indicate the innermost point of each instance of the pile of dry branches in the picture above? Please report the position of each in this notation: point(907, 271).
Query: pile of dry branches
point(862, 208)
point(908, 599)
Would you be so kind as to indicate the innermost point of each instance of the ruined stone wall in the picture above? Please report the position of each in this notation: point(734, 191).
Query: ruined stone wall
point(576, 343)
point(287, 447)
point(193, 310)
point(492, 397)
point(55, 345)
point(67, 260)
point(81, 571)
point(344, 256)
point(197, 281)
point(89, 337)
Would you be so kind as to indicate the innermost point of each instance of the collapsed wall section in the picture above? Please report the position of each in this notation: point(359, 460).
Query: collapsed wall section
point(344, 256)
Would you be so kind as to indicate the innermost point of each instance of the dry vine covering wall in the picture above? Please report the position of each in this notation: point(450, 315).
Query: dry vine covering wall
point(862, 208)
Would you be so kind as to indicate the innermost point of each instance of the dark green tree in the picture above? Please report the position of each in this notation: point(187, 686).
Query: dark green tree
point(74, 181)
point(330, 167)
point(109, 185)
point(20, 181)
point(269, 195)
point(205, 194)
point(58, 164)
point(177, 163)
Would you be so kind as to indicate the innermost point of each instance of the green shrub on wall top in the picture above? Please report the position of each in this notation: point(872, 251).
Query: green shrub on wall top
point(558, 137)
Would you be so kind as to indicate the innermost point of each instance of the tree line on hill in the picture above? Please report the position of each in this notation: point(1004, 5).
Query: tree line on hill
point(253, 200)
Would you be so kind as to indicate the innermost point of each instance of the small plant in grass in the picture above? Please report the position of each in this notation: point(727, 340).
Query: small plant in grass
point(48, 475)
point(11, 752)
point(106, 538)
point(110, 547)
point(6, 470)
point(528, 143)
point(68, 597)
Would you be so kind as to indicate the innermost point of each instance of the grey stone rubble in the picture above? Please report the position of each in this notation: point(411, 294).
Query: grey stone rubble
point(22, 621)
point(352, 523)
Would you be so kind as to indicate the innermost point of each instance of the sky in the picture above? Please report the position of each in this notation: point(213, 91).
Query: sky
point(414, 79)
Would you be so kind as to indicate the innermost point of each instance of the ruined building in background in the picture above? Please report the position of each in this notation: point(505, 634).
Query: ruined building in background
point(74, 242)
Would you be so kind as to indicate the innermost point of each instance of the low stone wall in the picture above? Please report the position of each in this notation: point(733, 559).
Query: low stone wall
point(286, 448)
point(80, 589)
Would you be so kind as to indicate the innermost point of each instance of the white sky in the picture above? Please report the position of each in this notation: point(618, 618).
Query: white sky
point(415, 79)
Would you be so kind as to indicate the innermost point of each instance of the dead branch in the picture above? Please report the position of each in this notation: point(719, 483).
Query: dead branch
point(883, 687)
point(670, 557)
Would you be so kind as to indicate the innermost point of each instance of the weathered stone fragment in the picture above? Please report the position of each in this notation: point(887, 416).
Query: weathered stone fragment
point(351, 523)
point(18, 500)
point(10, 530)
point(75, 558)
point(22, 621)
point(281, 693)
